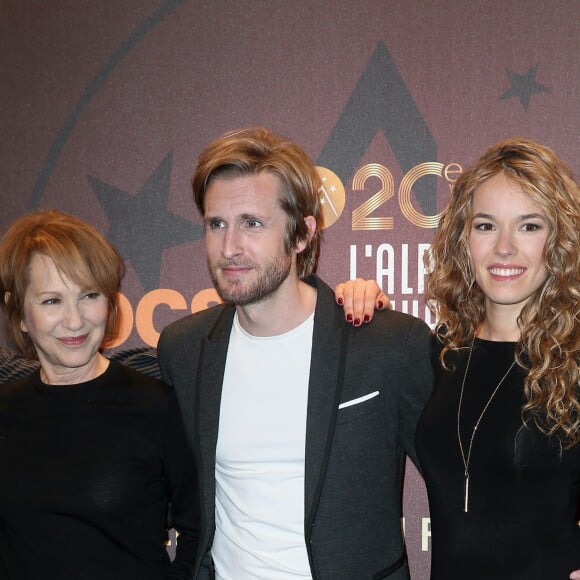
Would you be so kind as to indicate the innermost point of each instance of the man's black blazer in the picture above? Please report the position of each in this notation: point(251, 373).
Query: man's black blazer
point(355, 455)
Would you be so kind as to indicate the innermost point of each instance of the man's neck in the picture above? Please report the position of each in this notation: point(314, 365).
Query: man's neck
point(280, 312)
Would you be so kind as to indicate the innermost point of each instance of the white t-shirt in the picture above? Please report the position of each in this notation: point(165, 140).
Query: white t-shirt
point(260, 457)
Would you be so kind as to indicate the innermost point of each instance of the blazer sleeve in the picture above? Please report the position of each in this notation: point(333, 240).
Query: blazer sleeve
point(417, 388)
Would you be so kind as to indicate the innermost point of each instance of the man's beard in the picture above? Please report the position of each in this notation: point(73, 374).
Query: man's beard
point(269, 279)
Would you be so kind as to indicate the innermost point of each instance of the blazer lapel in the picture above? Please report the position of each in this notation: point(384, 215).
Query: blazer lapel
point(209, 390)
point(324, 393)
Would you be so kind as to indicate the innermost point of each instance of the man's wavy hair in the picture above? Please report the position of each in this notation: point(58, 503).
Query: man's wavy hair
point(77, 249)
point(256, 150)
point(548, 347)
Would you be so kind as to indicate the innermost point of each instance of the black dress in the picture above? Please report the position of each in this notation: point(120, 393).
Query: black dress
point(524, 491)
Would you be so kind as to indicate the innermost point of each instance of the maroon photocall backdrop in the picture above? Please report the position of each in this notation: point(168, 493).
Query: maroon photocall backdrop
point(106, 105)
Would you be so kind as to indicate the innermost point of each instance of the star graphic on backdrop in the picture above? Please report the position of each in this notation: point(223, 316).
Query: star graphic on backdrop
point(151, 229)
point(524, 86)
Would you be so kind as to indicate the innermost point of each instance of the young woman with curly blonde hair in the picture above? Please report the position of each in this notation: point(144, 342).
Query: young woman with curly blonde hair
point(499, 440)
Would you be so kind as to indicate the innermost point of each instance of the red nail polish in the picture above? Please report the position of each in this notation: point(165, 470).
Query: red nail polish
point(357, 321)
point(380, 304)
point(367, 318)
point(340, 301)
point(349, 317)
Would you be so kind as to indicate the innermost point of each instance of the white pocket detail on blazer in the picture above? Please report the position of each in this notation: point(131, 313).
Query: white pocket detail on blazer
point(358, 400)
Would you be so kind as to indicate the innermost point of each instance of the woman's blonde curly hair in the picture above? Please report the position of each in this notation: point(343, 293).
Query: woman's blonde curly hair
point(548, 347)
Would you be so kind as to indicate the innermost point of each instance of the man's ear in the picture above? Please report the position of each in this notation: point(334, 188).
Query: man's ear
point(310, 222)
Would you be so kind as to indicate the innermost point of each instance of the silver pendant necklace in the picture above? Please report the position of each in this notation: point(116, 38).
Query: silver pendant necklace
point(466, 459)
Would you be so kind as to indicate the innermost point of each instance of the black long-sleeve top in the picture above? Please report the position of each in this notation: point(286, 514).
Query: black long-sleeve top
point(87, 475)
point(524, 490)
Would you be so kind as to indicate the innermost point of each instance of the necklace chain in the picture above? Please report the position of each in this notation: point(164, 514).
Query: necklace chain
point(466, 460)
